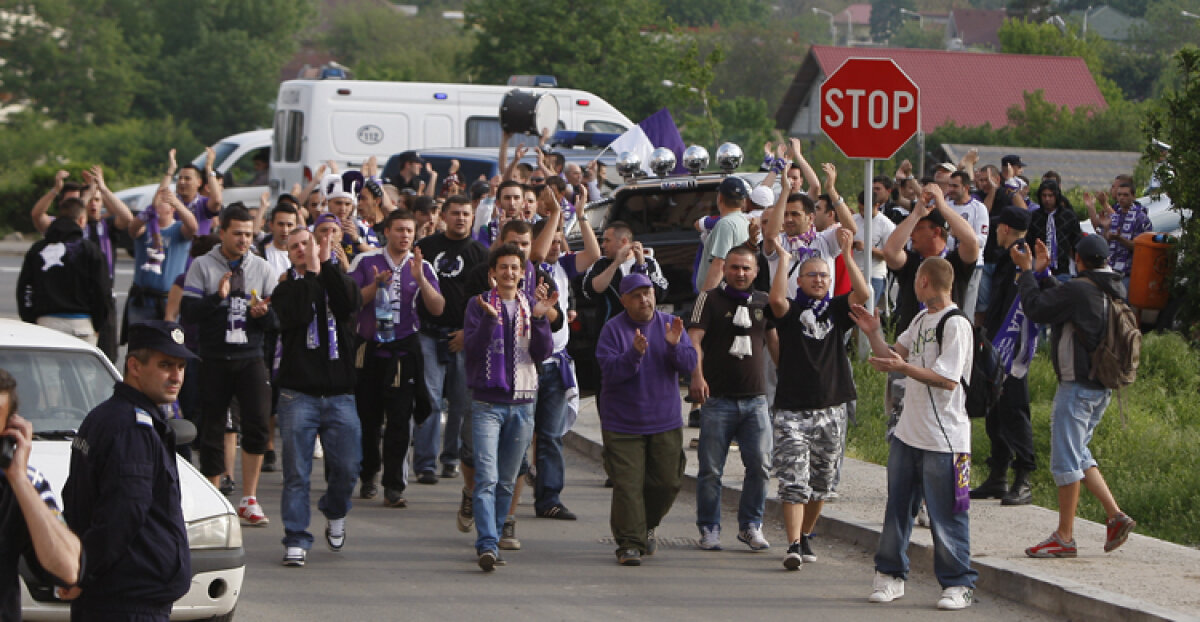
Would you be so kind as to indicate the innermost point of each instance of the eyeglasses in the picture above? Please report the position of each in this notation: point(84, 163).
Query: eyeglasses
point(817, 275)
point(537, 180)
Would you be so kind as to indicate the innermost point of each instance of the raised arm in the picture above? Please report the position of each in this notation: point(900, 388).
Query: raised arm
point(968, 244)
point(591, 246)
point(774, 218)
point(810, 176)
point(860, 290)
point(778, 298)
point(845, 218)
point(893, 248)
point(42, 220)
point(213, 183)
point(541, 245)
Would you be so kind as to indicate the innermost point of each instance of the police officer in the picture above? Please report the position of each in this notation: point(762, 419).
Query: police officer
point(122, 496)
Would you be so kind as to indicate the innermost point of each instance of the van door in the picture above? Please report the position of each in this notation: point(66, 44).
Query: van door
point(439, 131)
point(287, 153)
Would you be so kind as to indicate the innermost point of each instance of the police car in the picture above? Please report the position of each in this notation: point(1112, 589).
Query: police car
point(59, 380)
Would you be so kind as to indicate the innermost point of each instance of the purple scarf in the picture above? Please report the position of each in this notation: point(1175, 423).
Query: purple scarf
point(154, 251)
point(1016, 341)
point(313, 339)
point(818, 305)
point(499, 376)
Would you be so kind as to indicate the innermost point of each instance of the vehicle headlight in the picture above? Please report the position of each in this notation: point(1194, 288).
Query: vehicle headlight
point(217, 532)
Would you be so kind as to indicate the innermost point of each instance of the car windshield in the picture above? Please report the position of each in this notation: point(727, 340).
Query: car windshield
point(57, 388)
point(664, 211)
point(222, 149)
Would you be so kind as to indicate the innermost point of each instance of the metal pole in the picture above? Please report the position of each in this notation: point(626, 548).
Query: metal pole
point(867, 211)
point(920, 154)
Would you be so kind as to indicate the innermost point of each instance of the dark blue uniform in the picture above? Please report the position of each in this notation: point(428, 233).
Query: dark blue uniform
point(123, 500)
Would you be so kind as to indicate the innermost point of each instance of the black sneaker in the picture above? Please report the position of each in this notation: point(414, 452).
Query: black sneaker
point(368, 490)
point(393, 498)
point(487, 560)
point(559, 511)
point(268, 465)
point(335, 534)
point(806, 549)
point(794, 559)
point(427, 477)
point(228, 485)
point(629, 557)
point(449, 471)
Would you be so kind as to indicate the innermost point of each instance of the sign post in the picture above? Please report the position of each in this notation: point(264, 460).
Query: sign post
point(869, 109)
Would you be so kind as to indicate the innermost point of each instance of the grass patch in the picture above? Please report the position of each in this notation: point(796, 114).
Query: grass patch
point(1151, 462)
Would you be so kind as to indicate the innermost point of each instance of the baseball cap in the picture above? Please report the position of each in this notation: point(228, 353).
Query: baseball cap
point(763, 197)
point(935, 218)
point(1092, 248)
point(946, 166)
point(159, 336)
point(733, 188)
point(410, 156)
point(324, 218)
point(478, 190)
point(1014, 160)
point(1015, 217)
point(634, 281)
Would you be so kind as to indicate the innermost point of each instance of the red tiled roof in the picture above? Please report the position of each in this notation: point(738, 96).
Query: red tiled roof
point(860, 15)
point(979, 27)
point(965, 87)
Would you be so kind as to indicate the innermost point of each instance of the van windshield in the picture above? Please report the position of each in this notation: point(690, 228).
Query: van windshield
point(223, 150)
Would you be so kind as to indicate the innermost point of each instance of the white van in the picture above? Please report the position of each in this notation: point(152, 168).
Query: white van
point(235, 157)
point(348, 121)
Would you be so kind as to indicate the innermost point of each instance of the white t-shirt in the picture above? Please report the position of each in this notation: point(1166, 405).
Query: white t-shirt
point(826, 245)
point(277, 258)
point(918, 426)
point(881, 228)
point(976, 215)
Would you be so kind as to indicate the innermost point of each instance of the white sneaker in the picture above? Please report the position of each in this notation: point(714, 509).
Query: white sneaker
point(710, 538)
point(922, 517)
point(252, 513)
point(956, 597)
point(886, 588)
point(294, 557)
point(335, 534)
point(318, 450)
point(753, 537)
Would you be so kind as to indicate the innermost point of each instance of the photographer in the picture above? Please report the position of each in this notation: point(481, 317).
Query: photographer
point(30, 523)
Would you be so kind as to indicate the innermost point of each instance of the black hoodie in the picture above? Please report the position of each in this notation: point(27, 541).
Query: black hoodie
point(1077, 314)
point(64, 274)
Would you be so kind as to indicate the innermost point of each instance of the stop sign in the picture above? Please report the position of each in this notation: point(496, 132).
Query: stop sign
point(870, 108)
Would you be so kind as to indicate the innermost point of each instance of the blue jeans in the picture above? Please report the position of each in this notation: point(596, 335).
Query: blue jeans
point(301, 418)
point(549, 421)
point(1077, 412)
point(911, 472)
point(879, 286)
point(449, 381)
point(501, 435)
point(723, 419)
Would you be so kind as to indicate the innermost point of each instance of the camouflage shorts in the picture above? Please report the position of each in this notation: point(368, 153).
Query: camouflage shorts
point(808, 444)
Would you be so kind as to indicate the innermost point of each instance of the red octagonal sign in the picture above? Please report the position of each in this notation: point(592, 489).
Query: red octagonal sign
point(870, 108)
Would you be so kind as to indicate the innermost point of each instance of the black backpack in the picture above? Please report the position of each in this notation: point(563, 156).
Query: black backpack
point(986, 382)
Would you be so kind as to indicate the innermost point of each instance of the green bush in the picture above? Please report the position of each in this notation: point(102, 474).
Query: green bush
point(1151, 460)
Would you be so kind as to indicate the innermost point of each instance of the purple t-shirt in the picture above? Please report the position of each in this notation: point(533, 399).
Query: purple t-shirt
point(1129, 224)
point(405, 291)
point(199, 209)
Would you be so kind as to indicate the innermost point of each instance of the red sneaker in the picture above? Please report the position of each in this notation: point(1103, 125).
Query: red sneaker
point(252, 513)
point(1052, 547)
point(1119, 528)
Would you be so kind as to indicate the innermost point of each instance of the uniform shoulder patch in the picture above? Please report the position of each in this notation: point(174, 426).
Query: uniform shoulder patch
point(143, 418)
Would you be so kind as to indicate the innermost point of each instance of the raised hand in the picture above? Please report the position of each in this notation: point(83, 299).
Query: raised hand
point(1041, 256)
point(171, 165)
point(639, 341)
point(223, 286)
point(830, 174)
point(486, 306)
point(97, 174)
point(867, 322)
point(454, 165)
point(845, 240)
point(1021, 257)
point(544, 304)
point(418, 264)
point(674, 330)
point(210, 158)
point(60, 179)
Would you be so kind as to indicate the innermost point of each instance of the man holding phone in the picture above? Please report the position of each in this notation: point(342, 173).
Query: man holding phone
point(31, 525)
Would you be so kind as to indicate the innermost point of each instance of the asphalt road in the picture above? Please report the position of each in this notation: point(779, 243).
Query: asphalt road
point(413, 564)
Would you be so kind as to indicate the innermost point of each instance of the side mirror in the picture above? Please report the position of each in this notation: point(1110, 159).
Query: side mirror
point(185, 431)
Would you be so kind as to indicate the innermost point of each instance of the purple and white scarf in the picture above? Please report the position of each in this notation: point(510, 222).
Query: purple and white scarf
point(239, 306)
point(521, 380)
point(313, 338)
point(155, 252)
point(1016, 341)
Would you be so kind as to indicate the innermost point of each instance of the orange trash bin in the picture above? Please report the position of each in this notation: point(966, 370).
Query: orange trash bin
point(1150, 279)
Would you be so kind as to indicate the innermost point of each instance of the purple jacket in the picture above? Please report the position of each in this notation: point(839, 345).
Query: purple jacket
point(478, 326)
point(639, 394)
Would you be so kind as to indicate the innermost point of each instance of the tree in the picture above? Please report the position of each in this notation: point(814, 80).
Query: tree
point(886, 18)
point(911, 35)
point(431, 50)
point(709, 12)
point(1023, 37)
point(1176, 121)
point(611, 48)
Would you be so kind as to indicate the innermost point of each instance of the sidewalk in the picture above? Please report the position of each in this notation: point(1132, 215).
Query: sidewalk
point(1146, 579)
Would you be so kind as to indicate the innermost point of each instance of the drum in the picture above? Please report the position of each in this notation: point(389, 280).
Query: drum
point(526, 112)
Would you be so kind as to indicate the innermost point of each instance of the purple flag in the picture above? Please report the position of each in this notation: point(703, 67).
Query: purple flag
point(661, 130)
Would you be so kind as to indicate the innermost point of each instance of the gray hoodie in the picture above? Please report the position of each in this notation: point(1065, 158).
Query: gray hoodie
point(227, 330)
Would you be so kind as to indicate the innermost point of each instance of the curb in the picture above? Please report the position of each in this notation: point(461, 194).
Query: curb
point(1052, 595)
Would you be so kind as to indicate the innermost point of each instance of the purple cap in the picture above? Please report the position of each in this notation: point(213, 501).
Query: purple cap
point(633, 281)
point(324, 218)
